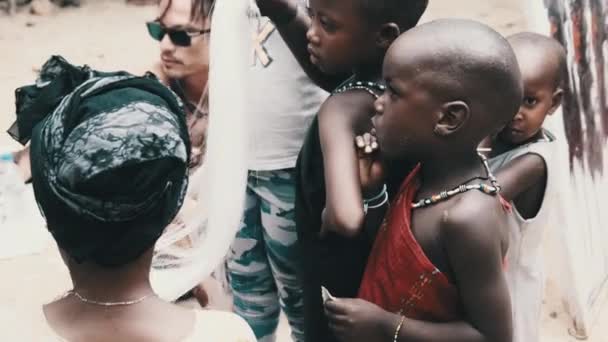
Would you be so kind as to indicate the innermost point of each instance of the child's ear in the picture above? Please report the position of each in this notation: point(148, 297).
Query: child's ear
point(387, 35)
point(556, 100)
point(453, 115)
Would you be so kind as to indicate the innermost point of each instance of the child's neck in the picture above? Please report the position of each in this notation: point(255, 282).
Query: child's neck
point(441, 174)
point(500, 146)
point(370, 72)
point(535, 137)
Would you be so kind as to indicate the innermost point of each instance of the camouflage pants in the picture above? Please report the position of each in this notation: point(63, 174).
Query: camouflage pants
point(262, 261)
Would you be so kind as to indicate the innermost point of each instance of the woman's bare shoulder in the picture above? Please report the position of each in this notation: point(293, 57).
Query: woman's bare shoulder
point(212, 325)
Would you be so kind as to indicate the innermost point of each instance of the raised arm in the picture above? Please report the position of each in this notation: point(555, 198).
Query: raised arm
point(293, 22)
point(338, 118)
point(523, 181)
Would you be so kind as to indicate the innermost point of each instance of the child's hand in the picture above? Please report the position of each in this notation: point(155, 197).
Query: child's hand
point(357, 320)
point(367, 143)
point(371, 170)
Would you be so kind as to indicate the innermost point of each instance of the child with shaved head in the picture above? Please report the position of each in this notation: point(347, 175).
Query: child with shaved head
point(341, 44)
point(435, 272)
point(522, 155)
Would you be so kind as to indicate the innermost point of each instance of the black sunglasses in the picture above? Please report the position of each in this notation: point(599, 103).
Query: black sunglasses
point(178, 37)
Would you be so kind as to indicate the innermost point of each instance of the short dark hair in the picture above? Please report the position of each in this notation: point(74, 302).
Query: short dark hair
point(405, 13)
point(201, 9)
point(467, 60)
point(549, 46)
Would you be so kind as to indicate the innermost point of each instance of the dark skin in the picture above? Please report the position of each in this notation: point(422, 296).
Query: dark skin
point(339, 118)
point(77, 321)
point(339, 42)
point(466, 236)
point(524, 179)
point(294, 33)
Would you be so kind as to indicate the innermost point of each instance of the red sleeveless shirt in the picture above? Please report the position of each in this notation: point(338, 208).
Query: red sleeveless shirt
point(399, 277)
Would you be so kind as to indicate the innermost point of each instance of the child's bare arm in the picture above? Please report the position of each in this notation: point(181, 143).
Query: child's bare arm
point(338, 118)
point(523, 181)
point(475, 251)
point(294, 34)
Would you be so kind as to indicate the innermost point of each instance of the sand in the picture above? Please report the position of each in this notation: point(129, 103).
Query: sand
point(107, 34)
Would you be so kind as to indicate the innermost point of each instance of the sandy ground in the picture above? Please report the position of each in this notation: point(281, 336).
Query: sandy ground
point(110, 35)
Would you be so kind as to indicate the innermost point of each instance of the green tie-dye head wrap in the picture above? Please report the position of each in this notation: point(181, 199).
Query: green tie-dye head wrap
point(109, 161)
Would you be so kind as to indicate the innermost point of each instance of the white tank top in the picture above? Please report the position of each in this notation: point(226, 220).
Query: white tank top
point(281, 99)
point(525, 270)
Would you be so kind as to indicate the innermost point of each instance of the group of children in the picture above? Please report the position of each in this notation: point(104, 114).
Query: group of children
point(397, 206)
point(407, 231)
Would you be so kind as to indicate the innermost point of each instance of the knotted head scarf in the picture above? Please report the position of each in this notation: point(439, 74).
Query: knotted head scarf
point(109, 159)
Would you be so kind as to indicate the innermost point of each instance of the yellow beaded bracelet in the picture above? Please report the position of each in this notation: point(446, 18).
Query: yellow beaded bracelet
point(398, 328)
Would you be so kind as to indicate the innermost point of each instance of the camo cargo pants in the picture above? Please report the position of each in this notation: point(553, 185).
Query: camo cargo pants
point(262, 261)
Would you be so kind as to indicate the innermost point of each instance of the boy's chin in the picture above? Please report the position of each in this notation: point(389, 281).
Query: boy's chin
point(511, 138)
point(324, 68)
point(328, 68)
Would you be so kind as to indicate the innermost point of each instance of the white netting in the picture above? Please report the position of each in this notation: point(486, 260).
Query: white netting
point(210, 221)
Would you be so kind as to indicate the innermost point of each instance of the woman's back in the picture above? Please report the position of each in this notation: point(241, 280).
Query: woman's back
point(109, 169)
point(68, 320)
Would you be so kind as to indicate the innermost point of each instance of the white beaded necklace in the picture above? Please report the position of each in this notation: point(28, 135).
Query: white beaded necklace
point(493, 189)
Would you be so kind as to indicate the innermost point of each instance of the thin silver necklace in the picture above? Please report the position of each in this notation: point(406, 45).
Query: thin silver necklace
point(94, 302)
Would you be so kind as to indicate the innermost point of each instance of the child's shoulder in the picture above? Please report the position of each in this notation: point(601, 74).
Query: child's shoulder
point(351, 104)
point(351, 99)
point(475, 219)
point(535, 154)
point(544, 146)
point(545, 142)
point(472, 205)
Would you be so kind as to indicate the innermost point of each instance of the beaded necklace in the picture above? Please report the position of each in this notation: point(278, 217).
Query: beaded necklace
point(370, 87)
point(493, 189)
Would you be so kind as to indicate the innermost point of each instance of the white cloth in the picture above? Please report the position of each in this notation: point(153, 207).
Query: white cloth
point(211, 215)
point(21, 224)
point(525, 265)
point(281, 99)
